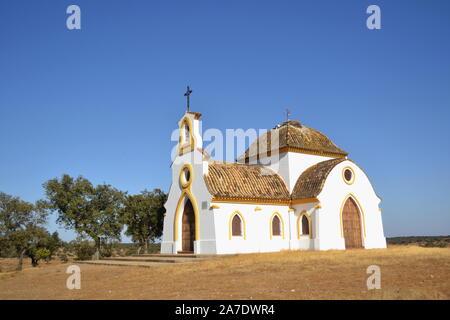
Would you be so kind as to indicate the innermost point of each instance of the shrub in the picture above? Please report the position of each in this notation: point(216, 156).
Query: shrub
point(106, 250)
point(131, 250)
point(43, 254)
point(63, 256)
point(436, 244)
point(84, 250)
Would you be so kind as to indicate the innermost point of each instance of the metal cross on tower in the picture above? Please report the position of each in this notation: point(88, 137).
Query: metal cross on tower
point(187, 94)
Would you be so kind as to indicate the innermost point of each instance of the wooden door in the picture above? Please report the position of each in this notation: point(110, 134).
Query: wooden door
point(351, 223)
point(188, 229)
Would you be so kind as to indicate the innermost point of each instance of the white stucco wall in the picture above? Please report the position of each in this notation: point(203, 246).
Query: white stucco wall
point(299, 241)
point(334, 194)
point(200, 194)
point(257, 228)
point(290, 165)
point(299, 162)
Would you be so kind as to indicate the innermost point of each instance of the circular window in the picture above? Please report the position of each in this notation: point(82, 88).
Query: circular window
point(186, 176)
point(348, 175)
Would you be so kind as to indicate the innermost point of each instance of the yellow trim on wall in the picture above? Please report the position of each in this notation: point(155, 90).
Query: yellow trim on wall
point(187, 193)
point(319, 206)
point(361, 210)
point(291, 210)
point(251, 201)
point(295, 150)
point(306, 200)
point(270, 224)
point(197, 115)
point(274, 202)
point(214, 206)
point(191, 197)
point(299, 219)
point(230, 233)
point(185, 184)
point(353, 175)
point(258, 209)
point(186, 146)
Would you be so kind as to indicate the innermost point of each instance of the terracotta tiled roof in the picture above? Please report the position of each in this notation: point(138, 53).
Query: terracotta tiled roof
point(292, 134)
point(311, 181)
point(243, 181)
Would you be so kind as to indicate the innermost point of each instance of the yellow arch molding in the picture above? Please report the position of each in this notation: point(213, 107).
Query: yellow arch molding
point(353, 175)
point(299, 220)
point(230, 233)
point(270, 224)
point(351, 195)
point(185, 146)
point(191, 197)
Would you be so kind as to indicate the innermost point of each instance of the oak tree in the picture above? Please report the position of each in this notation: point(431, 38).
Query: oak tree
point(90, 210)
point(21, 223)
point(143, 214)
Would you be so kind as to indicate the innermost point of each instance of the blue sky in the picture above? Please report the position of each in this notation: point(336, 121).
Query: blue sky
point(102, 101)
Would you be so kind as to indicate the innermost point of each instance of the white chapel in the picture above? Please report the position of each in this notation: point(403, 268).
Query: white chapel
point(293, 189)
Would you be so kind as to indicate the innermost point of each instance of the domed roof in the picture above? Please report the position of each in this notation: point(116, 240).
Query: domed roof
point(292, 136)
point(311, 181)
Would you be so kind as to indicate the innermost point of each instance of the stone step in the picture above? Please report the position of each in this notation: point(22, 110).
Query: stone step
point(154, 259)
point(183, 255)
point(124, 263)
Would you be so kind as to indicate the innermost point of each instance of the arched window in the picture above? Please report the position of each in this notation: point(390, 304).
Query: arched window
point(186, 139)
point(186, 132)
point(305, 225)
point(236, 226)
point(276, 226)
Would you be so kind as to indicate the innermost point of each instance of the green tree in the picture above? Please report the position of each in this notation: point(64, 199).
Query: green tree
point(54, 243)
point(20, 224)
point(43, 246)
point(91, 211)
point(143, 214)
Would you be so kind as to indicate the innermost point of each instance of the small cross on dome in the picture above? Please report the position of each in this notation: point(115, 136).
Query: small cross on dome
point(288, 113)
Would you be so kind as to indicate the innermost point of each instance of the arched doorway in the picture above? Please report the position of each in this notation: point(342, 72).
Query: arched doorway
point(188, 227)
point(351, 224)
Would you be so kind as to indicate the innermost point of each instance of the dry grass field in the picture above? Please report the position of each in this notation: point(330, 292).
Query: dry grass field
point(407, 272)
